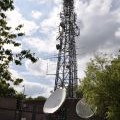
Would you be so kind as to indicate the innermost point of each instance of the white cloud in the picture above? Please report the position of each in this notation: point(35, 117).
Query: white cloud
point(41, 67)
point(117, 33)
point(47, 45)
point(31, 88)
point(98, 25)
point(48, 28)
point(34, 89)
point(51, 23)
point(81, 63)
point(36, 14)
point(14, 49)
point(15, 18)
point(38, 1)
point(46, 1)
point(15, 74)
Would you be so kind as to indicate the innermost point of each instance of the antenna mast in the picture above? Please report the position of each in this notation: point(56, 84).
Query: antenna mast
point(66, 71)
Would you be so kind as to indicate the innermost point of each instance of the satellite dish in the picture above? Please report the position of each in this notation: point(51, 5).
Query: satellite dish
point(84, 110)
point(55, 101)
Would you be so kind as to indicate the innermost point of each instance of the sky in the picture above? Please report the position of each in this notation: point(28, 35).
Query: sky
point(99, 22)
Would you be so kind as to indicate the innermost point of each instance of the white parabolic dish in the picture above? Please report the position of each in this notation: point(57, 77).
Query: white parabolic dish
point(83, 110)
point(55, 101)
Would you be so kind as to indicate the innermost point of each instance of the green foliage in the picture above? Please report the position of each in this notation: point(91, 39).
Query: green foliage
point(6, 90)
point(101, 86)
point(8, 36)
point(79, 93)
point(20, 96)
point(39, 98)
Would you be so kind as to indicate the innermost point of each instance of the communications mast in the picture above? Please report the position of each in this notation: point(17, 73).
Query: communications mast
point(66, 71)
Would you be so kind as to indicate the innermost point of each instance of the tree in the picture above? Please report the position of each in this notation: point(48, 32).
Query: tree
point(39, 98)
point(9, 36)
point(101, 86)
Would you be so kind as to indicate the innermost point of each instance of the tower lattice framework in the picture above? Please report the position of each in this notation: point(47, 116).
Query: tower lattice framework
point(66, 71)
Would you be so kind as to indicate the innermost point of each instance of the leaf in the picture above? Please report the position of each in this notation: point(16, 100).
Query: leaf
point(21, 34)
point(19, 27)
point(23, 52)
point(18, 81)
point(3, 15)
point(17, 62)
point(17, 44)
point(8, 52)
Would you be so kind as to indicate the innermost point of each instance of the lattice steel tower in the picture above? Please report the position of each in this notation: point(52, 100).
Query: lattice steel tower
point(66, 71)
